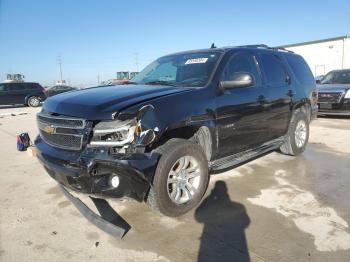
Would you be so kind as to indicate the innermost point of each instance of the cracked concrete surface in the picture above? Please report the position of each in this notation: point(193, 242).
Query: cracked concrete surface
point(276, 208)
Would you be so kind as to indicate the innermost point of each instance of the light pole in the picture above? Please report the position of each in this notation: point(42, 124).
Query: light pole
point(60, 64)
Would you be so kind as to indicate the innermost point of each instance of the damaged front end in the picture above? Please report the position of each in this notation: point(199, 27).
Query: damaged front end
point(112, 160)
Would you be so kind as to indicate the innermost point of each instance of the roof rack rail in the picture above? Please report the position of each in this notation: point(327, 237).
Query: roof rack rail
point(283, 49)
point(254, 46)
point(267, 47)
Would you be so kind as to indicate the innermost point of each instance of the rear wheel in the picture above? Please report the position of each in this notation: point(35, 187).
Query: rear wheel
point(181, 178)
point(297, 136)
point(33, 101)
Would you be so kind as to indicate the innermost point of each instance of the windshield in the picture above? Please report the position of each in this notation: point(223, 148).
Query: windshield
point(337, 77)
point(191, 69)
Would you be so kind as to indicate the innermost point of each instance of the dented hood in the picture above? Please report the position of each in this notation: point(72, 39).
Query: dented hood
point(100, 103)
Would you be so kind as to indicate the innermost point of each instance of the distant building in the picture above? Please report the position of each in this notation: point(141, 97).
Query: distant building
point(61, 83)
point(324, 55)
point(122, 78)
point(14, 78)
point(126, 75)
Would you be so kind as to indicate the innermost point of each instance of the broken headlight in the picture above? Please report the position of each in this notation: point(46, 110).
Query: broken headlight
point(347, 94)
point(114, 133)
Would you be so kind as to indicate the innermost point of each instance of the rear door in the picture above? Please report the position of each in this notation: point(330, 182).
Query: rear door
point(279, 92)
point(239, 113)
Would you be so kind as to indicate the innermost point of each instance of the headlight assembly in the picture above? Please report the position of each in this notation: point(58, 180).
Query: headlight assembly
point(347, 94)
point(114, 133)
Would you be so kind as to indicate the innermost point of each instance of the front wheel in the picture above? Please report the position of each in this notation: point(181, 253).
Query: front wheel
point(181, 178)
point(33, 101)
point(297, 136)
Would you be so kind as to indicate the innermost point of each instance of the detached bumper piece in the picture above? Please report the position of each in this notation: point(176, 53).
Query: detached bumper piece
point(109, 221)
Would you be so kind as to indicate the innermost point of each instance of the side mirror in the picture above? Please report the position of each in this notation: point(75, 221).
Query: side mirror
point(237, 80)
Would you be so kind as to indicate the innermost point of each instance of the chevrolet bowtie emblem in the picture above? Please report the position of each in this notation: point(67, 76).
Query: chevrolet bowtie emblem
point(49, 129)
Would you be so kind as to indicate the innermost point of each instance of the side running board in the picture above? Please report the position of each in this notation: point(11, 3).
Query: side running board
point(236, 159)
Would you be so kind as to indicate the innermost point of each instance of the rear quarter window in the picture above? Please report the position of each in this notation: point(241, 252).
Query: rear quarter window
point(35, 86)
point(300, 69)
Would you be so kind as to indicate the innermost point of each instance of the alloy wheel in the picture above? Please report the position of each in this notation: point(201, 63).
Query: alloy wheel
point(300, 133)
point(184, 180)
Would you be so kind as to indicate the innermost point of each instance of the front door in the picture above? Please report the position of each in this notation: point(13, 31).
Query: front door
point(5, 95)
point(240, 112)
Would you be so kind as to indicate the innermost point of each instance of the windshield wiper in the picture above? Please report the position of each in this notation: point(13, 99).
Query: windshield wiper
point(160, 82)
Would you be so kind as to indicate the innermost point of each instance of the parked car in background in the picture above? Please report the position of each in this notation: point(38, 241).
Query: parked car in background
point(25, 93)
point(184, 115)
point(334, 93)
point(58, 89)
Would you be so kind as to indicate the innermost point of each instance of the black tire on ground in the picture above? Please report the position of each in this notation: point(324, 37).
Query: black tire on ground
point(158, 198)
point(290, 146)
point(33, 101)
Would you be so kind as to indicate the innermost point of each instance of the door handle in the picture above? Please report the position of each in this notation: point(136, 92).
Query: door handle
point(290, 93)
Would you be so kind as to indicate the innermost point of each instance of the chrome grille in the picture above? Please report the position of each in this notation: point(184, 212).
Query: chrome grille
point(62, 121)
point(62, 132)
point(329, 97)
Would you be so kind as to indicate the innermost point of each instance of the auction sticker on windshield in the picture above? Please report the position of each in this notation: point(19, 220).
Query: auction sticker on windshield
point(196, 61)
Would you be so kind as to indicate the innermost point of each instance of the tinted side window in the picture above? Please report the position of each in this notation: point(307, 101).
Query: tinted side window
point(274, 70)
point(21, 87)
point(2, 87)
point(241, 62)
point(15, 87)
point(32, 86)
point(300, 69)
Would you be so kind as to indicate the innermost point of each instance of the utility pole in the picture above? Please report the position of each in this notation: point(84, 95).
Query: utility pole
point(60, 64)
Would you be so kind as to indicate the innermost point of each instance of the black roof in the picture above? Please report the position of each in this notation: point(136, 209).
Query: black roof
point(20, 83)
point(228, 48)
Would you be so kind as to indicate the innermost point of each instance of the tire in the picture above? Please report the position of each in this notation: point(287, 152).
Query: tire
point(33, 101)
point(293, 145)
point(168, 198)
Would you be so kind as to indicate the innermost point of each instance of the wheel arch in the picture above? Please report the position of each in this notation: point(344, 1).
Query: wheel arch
point(303, 106)
point(29, 96)
point(203, 135)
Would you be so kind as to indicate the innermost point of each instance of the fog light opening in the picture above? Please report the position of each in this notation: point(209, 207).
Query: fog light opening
point(114, 181)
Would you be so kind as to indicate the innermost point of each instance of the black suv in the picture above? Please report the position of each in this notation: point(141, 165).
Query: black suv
point(184, 116)
point(334, 93)
point(30, 94)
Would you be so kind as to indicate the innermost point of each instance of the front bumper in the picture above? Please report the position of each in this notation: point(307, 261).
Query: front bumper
point(342, 108)
point(314, 109)
point(109, 221)
point(90, 171)
point(334, 112)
